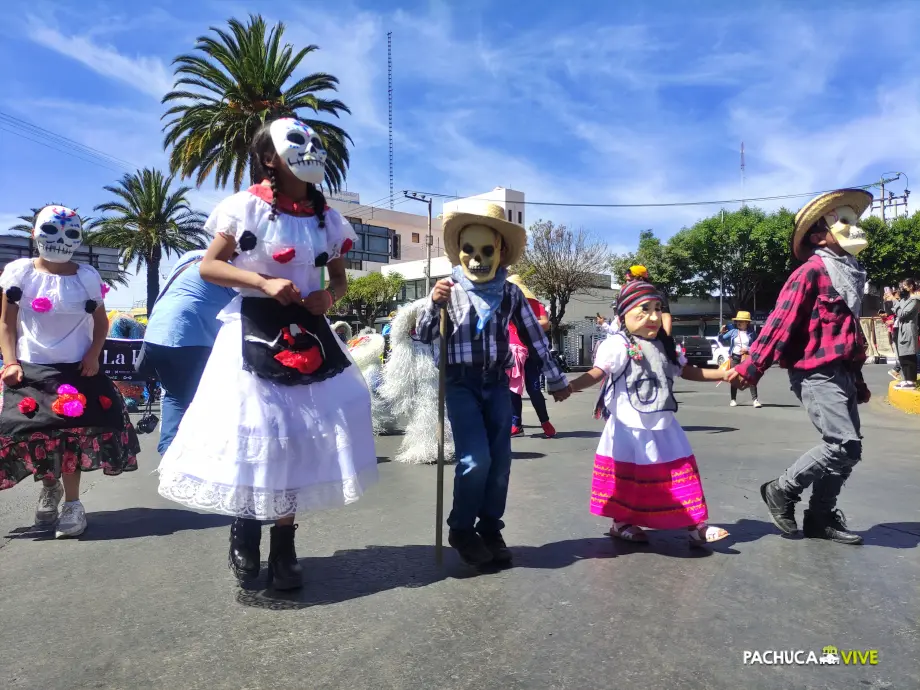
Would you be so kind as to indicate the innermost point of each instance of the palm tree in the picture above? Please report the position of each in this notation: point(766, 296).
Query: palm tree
point(240, 79)
point(28, 222)
point(147, 220)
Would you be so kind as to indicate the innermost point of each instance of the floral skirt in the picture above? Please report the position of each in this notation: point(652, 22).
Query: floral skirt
point(59, 422)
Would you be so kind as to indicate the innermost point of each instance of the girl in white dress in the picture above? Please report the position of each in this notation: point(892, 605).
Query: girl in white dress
point(645, 473)
point(281, 421)
point(60, 416)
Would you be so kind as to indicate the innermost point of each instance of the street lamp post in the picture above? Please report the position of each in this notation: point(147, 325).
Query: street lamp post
point(429, 240)
point(722, 276)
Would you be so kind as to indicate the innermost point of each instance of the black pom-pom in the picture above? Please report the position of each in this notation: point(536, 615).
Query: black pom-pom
point(322, 260)
point(247, 241)
point(90, 306)
point(13, 294)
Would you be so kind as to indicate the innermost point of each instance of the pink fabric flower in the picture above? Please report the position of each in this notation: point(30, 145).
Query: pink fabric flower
point(69, 462)
point(41, 304)
point(105, 290)
point(28, 405)
point(73, 408)
point(67, 388)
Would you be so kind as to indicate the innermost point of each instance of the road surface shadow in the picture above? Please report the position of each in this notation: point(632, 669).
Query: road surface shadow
point(130, 523)
point(526, 455)
point(892, 535)
point(356, 573)
point(578, 434)
point(711, 429)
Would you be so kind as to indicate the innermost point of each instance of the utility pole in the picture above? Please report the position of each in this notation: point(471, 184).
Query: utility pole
point(429, 239)
point(892, 201)
point(722, 277)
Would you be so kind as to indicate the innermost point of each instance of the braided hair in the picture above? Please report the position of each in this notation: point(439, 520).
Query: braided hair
point(262, 148)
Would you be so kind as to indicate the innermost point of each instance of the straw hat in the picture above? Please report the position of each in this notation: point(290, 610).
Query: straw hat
point(516, 279)
point(480, 212)
point(857, 199)
point(743, 316)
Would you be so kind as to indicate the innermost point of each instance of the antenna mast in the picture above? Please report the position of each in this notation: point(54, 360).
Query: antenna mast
point(390, 104)
point(742, 175)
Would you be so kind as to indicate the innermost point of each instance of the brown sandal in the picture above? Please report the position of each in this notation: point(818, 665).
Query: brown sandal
point(630, 533)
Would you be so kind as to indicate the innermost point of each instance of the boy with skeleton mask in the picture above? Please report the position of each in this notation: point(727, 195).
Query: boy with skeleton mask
point(481, 304)
point(815, 333)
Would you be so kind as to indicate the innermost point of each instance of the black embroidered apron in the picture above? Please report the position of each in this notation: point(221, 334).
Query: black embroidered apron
point(288, 345)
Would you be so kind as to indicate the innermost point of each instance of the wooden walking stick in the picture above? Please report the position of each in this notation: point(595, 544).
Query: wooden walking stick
point(442, 385)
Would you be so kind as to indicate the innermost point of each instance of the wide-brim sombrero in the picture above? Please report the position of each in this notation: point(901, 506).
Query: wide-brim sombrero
point(857, 199)
point(478, 212)
point(516, 279)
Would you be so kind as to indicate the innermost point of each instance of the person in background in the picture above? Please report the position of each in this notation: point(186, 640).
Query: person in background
point(532, 368)
point(180, 333)
point(889, 299)
point(906, 312)
point(739, 339)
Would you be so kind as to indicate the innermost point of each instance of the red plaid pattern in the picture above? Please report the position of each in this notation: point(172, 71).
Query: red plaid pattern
point(811, 327)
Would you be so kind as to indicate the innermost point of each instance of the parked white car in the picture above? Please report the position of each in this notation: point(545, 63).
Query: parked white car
point(720, 352)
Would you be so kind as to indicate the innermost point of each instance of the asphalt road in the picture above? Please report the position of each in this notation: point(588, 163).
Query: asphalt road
point(144, 599)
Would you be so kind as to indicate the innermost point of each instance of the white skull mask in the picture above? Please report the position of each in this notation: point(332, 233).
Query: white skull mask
point(58, 232)
point(480, 252)
point(842, 222)
point(300, 148)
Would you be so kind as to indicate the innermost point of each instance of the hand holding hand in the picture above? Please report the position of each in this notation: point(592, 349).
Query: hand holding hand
point(440, 293)
point(90, 364)
point(562, 394)
point(12, 375)
point(282, 290)
point(734, 378)
point(318, 302)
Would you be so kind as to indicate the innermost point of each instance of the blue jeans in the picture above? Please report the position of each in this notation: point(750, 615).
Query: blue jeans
point(479, 409)
point(179, 370)
point(532, 368)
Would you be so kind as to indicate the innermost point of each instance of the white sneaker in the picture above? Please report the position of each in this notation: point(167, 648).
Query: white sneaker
point(733, 403)
point(757, 404)
point(904, 385)
point(46, 513)
point(72, 522)
point(895, 375)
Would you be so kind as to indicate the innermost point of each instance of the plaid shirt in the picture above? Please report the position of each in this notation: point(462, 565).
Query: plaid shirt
point(810, 327)
point(489, 349)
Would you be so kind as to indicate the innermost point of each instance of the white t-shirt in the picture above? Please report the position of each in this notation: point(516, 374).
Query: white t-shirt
point(59, 335)
point(742, 341)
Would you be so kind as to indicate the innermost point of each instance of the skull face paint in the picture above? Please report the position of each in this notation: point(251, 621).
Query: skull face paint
point(480, 252)
point(842, 222)
point(58, 232)
point(300, 148)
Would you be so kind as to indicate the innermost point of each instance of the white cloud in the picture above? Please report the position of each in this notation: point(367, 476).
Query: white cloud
point(146, 74)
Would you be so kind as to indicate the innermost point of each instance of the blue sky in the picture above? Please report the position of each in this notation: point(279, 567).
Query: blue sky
point(596, 102)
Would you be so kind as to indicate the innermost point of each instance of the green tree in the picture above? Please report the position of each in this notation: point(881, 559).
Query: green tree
point(370, 296)
point(560, 262)
point(893, 253)
point(666, 268)
point(747, 252)
point(146, 221)
point(239, 79)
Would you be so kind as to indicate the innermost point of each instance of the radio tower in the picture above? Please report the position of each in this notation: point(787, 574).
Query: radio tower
point(742, 175)
point(390, 104)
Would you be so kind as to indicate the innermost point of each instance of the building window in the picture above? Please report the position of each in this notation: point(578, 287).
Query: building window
point(415, 238)
point(520, 217)
point(510, 216)
point(353, 265)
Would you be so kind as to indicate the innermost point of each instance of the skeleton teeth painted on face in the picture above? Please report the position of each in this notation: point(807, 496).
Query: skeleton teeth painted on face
point(58, 233)
point(300, 148)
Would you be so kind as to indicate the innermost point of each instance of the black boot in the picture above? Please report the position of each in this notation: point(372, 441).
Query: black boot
point(501, 554)
point(469, 546)
point(828, 525)
point(244, 559)
point(284, 572)
point(781, 505)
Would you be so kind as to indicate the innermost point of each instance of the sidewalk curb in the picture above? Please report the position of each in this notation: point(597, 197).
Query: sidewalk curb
point(905, 400)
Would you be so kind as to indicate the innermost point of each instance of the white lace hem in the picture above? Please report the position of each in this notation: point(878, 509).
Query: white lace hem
point(262, 504)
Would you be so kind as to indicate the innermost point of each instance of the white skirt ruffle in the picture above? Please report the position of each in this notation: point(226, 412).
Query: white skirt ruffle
point(253, 449)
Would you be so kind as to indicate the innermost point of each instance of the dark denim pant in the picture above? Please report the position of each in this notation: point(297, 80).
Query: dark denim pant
point(479, 409)
point(829, 397)
point(532, 367)
point(179, 370)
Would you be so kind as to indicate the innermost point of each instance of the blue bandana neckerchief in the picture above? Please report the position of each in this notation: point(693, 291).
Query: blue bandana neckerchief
point(486, 297)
